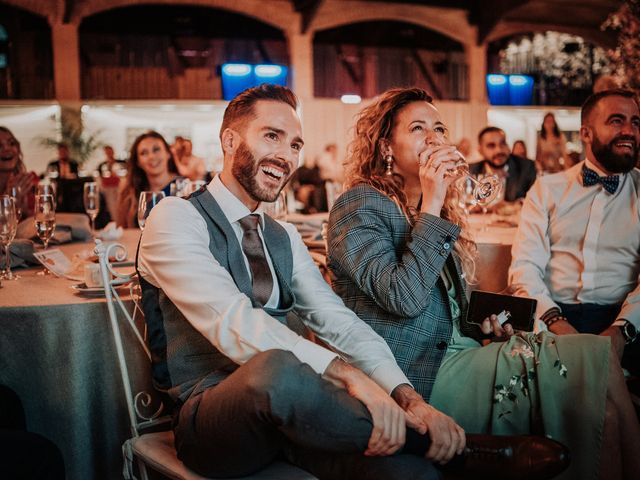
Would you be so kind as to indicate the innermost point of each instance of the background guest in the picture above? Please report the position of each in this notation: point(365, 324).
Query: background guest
point(14, 177)
point(518, 173)
point(519, 149)
point(151, 167)
point(189, 165)
point(110, 171)
point(111, 166)
point(551, 151)
point(64, 166)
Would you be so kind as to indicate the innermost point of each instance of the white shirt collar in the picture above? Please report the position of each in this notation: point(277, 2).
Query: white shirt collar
point(231, 205)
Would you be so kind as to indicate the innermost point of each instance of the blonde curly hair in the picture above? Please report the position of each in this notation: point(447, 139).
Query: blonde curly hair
point(365, 164)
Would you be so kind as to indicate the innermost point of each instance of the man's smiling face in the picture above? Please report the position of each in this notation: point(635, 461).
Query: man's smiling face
point(267, 152)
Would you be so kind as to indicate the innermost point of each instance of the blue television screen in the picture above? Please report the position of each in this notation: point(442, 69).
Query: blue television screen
point(237, 77)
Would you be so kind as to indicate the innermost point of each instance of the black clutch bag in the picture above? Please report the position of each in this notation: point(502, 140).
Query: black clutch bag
point(518, 311)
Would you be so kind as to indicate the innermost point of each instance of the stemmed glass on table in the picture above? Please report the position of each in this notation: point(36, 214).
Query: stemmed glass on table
point(45, 220)
point(47, 188)
point(16, 193)
point(8, 228)
point(278, 208)
point(91, 198)
point(146, 202)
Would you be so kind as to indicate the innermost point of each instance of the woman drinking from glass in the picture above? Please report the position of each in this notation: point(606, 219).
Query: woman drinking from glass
point(402, 259)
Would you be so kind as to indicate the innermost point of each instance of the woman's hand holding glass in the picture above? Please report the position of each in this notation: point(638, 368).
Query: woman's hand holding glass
point(8, 227)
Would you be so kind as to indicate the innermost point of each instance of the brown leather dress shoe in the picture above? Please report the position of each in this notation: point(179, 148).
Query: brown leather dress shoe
point(518, 457)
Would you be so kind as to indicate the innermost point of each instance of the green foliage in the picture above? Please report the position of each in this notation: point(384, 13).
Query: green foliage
point(81, 146)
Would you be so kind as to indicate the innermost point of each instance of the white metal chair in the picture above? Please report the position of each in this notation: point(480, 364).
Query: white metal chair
point(153, 450)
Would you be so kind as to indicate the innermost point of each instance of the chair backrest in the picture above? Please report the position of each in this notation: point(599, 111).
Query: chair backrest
point(138, 404)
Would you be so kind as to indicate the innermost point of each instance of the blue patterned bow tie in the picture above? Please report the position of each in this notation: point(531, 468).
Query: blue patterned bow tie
point(590, 178)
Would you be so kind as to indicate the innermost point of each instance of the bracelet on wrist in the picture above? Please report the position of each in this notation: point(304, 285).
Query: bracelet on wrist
point(551, 316)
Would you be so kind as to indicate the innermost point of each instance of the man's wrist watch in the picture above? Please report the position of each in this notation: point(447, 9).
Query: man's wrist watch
point(628, 330)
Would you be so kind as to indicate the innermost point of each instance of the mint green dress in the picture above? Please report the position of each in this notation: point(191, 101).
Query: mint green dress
point(533, 383)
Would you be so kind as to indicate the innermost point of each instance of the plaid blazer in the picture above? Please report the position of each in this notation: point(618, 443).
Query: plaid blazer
point(388, 273)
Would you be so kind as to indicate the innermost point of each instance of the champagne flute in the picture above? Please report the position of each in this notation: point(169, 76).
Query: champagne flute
point(8, 227)
point(45, 218)
point(278, 208)
point(91, 198)
point(146, 202)
point(16, 193)
point(467, 198)
point(47, 188)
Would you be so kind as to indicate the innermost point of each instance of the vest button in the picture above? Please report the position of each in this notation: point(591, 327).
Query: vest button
point(441, 345)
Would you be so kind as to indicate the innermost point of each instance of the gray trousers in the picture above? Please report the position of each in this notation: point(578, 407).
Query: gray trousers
point(273, 407)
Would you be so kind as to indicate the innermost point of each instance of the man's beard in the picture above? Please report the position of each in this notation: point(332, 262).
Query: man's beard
point(246, 169)
point(611, 161)
point(499, 160)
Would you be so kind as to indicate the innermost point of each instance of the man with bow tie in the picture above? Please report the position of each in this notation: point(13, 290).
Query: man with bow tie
point(577, 250)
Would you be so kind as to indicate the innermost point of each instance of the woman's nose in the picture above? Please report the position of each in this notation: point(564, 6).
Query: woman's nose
point(432, 139)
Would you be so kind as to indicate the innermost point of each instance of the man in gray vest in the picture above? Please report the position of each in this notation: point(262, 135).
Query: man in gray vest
point(221, 282)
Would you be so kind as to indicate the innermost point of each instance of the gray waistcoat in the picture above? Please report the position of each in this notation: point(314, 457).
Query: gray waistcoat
point(184, 361)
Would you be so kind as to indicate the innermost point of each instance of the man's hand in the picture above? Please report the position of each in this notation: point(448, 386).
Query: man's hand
point(388, 434)
point(447, 437)
point(617, 340)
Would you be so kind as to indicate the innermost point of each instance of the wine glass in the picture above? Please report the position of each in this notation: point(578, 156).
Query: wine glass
point(47, 188)
point(16, 193)
point(147, 201)
point(278, 208)
point(8, 227)
point(91, 198)
point(467, 197)
point(45, 220)
point(485, 189)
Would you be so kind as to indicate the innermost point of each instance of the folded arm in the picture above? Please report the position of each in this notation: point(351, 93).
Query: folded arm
point(361, 246)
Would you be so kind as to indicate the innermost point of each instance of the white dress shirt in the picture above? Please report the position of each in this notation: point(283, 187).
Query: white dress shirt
point(578, 244)
point(175, 256)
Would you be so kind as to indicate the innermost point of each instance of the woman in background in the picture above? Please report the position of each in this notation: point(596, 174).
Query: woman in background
point(551, 151)
point(151, 167)
point(519, 149)
point(14, 177)
point(401, 257)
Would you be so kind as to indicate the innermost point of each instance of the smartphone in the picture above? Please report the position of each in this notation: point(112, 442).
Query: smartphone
point(517, 311)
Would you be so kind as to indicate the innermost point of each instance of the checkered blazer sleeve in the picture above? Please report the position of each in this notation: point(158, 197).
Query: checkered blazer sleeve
point(371, 242)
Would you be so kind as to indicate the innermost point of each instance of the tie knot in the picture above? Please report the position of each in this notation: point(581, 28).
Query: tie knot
point(590, 177)
point(250, 222)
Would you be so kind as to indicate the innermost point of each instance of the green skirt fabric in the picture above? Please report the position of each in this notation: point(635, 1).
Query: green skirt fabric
point(534, 383)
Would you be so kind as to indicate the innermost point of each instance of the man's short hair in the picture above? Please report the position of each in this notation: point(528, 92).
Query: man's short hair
point(486, 130)
point(592, 101)
point(241, 106)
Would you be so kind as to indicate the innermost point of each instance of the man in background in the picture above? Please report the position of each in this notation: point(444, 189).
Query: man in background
point(517, 173)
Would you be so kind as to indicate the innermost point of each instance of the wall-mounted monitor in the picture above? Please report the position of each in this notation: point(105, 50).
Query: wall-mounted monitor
point(237, 77)
point(510, 89)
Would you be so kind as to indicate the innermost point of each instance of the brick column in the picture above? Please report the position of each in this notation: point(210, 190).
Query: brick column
point(477, 63)
point(301, 63)
point(66, 62)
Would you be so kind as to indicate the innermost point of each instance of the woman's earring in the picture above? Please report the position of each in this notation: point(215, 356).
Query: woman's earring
point(389, 162)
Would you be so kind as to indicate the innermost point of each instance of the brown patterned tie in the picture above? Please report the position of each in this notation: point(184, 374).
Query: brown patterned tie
point(252, 247)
